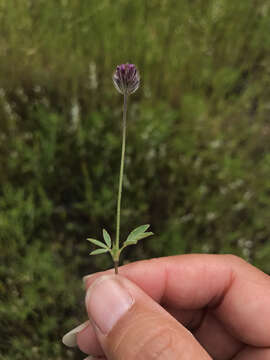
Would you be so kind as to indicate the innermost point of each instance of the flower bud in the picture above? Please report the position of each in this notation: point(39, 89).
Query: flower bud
point(126, 79)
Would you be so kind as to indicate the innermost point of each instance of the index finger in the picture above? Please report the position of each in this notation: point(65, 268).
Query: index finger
point(236, 292)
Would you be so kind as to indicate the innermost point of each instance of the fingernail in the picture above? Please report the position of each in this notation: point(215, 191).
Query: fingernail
point(70, 339)
point(107, 301)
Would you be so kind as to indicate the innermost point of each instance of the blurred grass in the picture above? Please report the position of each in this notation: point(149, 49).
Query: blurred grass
point(198, 153)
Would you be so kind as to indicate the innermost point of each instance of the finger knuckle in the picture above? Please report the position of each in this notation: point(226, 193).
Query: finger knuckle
point(158, 346)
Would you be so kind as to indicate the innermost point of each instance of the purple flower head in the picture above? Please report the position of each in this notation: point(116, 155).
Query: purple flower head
point(126, 79)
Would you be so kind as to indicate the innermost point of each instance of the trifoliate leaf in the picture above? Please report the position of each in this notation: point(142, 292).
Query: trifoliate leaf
point(99, 251)
point(107, 238)
point(98, 243)
point(139, 230)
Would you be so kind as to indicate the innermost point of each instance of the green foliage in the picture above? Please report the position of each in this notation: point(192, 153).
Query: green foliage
point(33, 280)
point(197, 156)
point(99, 251)
point(137, 234)
point(98, 243)
point(107, 238)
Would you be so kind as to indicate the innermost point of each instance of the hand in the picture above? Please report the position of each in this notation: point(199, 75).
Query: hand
point(187, 307)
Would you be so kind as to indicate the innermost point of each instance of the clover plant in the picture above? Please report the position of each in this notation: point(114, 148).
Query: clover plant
point(126, 80)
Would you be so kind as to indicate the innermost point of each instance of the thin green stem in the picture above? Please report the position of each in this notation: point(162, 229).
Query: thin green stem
point(121, 180)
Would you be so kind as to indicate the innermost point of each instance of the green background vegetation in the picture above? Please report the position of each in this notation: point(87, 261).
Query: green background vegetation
point(198, 151)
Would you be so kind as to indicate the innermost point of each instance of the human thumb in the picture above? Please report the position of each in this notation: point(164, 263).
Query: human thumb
point(131, 325)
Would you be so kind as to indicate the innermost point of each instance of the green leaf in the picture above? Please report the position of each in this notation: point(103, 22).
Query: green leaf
point(98, 251)
point(130, 242)
point(107, 238)
point(98, 243)
point(137, 238)
point(139, 230)
point(144, 235)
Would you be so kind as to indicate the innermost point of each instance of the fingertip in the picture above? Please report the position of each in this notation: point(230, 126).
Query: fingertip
point(86, 277)
point(88, 343)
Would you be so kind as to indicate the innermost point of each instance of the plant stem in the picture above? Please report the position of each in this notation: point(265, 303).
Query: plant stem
point(121, 182)
point(116, 267)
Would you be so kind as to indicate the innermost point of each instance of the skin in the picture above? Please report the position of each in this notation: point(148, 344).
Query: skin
point(221, 300)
